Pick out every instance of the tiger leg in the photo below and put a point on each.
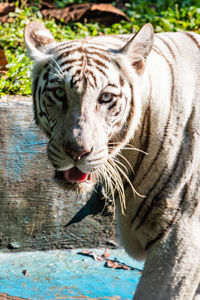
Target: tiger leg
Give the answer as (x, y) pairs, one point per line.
(172, 267)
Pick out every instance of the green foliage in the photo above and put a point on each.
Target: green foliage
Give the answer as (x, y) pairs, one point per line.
(164, 15)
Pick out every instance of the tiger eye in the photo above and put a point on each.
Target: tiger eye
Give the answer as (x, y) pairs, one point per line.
(105, 98)
(60, 92)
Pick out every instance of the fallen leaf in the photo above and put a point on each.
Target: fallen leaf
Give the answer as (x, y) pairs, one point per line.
(98, 257)
(5, 8)
(115, 265)
(92, 254)
(103, 12)
(125, 267)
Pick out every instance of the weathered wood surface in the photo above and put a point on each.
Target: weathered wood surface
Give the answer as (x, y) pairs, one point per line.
(33, 209)
(7, 297)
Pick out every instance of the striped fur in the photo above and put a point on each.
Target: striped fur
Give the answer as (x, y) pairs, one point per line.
(112, 94)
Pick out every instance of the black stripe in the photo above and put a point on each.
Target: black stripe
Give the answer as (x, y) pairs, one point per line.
(53, 125)
(55, 80)
(163, 232)
(55, 154)
(195, 198)
(102, 71)
(145, 199)
(167, 45)
(173, 178)
(41, 113)
(145, 132)
(190, 35)
(46, 74)
(173, 41)
(112, 105)
(34, 88)
(160, 149)
(90, 83)
(121, 81)
(72, 82)
(49, 99)
(96, 48)
(93, 77)
(68, 68)
(62, 46)
(98, 54)
(67, 52)
(71, 61)
(54, 147)
(125, 130)
(99, 63)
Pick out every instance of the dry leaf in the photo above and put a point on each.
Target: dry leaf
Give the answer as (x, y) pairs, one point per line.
(115, 265)
(92, 254)
(104, 13)
(5, 8)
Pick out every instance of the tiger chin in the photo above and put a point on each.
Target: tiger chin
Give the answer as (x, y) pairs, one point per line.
(79, 187)
(125, 110)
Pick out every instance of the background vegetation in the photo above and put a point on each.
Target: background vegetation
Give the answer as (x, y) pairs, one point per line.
(164, 15)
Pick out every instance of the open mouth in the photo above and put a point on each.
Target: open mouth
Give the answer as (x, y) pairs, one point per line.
(74, 175)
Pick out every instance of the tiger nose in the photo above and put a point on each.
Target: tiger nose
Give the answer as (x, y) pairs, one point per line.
(77, 154)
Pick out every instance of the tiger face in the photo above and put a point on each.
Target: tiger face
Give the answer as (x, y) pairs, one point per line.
(84, 101)
(85, 113)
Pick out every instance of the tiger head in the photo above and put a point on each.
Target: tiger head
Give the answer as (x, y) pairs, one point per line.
(86, 98)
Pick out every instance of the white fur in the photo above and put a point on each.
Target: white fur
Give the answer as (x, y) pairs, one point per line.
(166, 93)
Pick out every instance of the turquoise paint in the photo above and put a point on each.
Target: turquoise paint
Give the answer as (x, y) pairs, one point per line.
(24, 146)
(66, 275)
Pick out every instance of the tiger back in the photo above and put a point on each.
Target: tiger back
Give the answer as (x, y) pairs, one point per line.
(124, 110)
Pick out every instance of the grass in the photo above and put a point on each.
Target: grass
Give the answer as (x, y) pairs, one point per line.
(164, 15)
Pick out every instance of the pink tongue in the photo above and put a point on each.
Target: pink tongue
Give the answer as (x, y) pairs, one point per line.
(75, 175)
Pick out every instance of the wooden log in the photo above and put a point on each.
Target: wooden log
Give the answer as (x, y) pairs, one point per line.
(33, 209)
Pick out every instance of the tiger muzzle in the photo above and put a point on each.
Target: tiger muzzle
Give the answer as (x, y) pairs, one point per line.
(76, 154)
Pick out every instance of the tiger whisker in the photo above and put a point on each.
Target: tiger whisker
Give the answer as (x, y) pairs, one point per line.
(126, 160)
(55, 74)
(114, 182)
(116, 160)
(58, 73)
(109, 189)
(59, 68)
(117, 180)
(128, 180)
(129, 148)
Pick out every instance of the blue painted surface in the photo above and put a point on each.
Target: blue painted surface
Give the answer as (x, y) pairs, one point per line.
(23, 147)
(66, 275)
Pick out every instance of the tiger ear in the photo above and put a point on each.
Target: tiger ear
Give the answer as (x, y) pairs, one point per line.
(138, 48)
(36, 36)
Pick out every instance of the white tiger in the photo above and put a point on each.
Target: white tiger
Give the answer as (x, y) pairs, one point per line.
(96, 99)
